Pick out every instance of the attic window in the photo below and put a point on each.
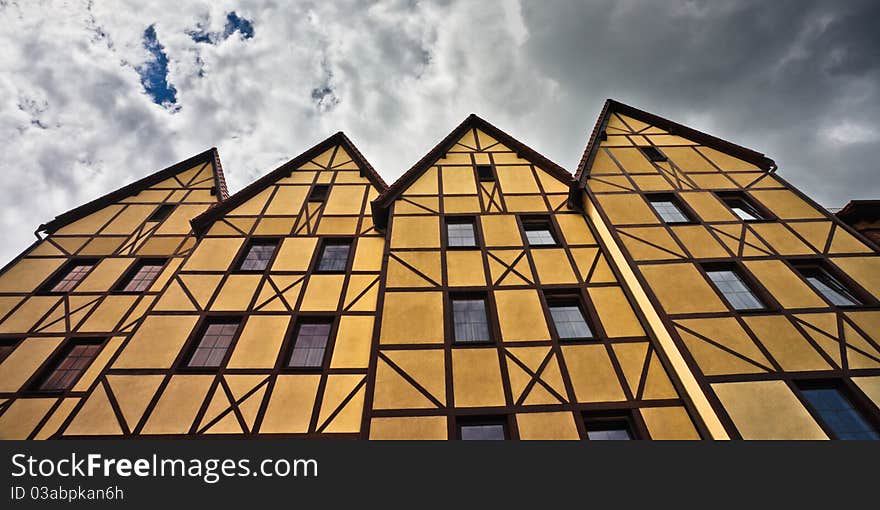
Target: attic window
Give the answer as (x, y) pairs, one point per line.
(162, 212)
(319, 193)
(652, 153)
(485, 173)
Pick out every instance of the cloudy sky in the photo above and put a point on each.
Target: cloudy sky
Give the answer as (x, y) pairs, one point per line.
(95, 94)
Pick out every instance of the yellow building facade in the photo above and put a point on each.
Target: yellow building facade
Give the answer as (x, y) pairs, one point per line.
(674, 287)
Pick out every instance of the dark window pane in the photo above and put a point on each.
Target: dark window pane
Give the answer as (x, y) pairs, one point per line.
(829, 286)
(652, 153)
(487, 432)
(161, 212)
(68, 369)
(737, 293)
(309, 345)
(469, 320)
(669, 211)
(609, 430)
(461, 234)
(319, 193)
(334, 257)
(485, 173)
(569, 321)
(213, 345)
(143, 277)
(76, 273)
(5, 350)
(258, 256)
(839, 414)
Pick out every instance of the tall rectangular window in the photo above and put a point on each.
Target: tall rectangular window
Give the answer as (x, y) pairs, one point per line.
(161, 212)
(669, 209)
(539, 231)
(334, 255)
(319, 193)
(742, 206)
(826, 284)
(482, 429)
(461, 232)
(609, 427)
(258, 255)
(69, 277)
(837, 411)
(652, 153)
(309, 344)
(568, 318)
(143, 275)
(734, 288)
(213, 344)
(485, 173)
(469, 320)
(66, 368)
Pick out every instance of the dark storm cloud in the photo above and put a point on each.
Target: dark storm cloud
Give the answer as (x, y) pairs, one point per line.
(796, 80)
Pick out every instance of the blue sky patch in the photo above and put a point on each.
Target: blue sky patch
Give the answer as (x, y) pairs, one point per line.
(154, 73)
(234, 23)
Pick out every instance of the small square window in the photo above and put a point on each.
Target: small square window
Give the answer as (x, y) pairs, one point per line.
(669, 209)
(652, 153)
(258, 255)
(485, 173)
(742, 206)
(461, 232)
(733, 286)
(568, 318)
(69, 277)
(310, 343)
(334, 255)
(65, 368)
(482, 429)
(143, 275)
(830, 402)
(469, 319)
(214, 342)
(609, 427)
(319, 193)
(827, 284)
(539, 231)
(161, 212)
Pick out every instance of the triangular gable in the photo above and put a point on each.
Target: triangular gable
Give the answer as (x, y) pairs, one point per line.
(620, 118)
(210, 156)
(313, 157)
(462, 135)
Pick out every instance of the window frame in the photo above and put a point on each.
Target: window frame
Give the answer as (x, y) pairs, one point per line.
(195, 340)
(51, 364)
(319, 193)
(245, 251)
(324, 242)
(11, 343)
(860, 403)
(691, 218)
(128, 276)
(763, 214)
(636, 427)
(860, 296)
(767, 301)
(572, 297)
(488, 310)
(482, 420)
(658, 158)
(487, 174)
(529, 222)
(463, 219)
(162, 212)
(46, 288)
(291, 338)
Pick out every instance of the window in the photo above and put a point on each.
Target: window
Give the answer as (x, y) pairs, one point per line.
(310, 343)
(609, 427)
(469, 320)
(836, 410)
(6, 348)
(485, 173)
(213, 344)
(669, 209)
(539, 231)
(460, 232)
(825, 283)
(258, 254)
(652, 153)
(161, 212)
(334, 255)
(65, 369)
(568, 318)
(734, 288)
(143, 275)
(482, 429)
(68, 278)
(742, 206)
(319, 193)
